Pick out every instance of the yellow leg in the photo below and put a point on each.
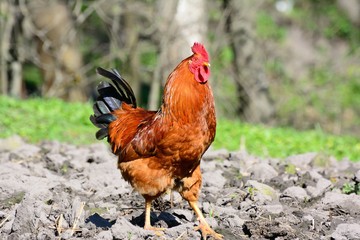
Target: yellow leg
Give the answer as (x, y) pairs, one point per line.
(171, 199)
(203, 225)
(147, 225)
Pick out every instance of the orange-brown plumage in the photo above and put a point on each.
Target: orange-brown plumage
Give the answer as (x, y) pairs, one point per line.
(162, 150)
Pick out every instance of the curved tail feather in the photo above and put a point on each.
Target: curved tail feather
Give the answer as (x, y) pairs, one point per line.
(111, 97)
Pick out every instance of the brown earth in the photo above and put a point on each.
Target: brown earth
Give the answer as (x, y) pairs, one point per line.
(59, 191)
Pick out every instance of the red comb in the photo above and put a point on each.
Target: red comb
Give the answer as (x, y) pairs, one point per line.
(198, 48)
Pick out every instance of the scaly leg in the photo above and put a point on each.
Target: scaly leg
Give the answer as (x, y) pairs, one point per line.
(171, 199)
(147, 225)
(203, 225)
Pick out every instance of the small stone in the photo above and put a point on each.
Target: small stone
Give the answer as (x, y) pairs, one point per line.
(346, 231)
(302, 161)
(56, 158)
(214, 178)
(104, 235)
(216, 154)
(308, 218)
(315, 175)
(207, 207)
(183, 214)
(297, 193)
(357, 176)
(263, 172)
(338, 202)
(26, 152)
(233, 221)
(310, 221)
(262, 191)
(274, 210)
(123, 228)
(322, 186)
(11, 143)
(67, 234)
(246, 204)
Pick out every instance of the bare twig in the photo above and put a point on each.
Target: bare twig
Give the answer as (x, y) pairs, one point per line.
(4, 221)
(58, 224)
(76, 221)
(64, 229)
(84, 15)
(178, 238)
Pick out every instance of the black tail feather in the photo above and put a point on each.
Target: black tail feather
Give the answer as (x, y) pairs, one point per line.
(93, 120)
(105, 118)
(111, 97)
(102, 133)
(121, 85)
(102, 107)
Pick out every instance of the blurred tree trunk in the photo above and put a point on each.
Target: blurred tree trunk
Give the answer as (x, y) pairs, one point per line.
(351, 9)
(7, 22)
(180, 24)
(11, 51)
(59, 58)
(131, 35)
(253, 91)
(17, 54)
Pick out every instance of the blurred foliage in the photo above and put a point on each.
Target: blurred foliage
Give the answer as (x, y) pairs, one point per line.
(226, 103)
(52, 119)
(267, 28)
(349, 188)
(32, 79)
(331, 23)
(283, 142)
(327, 93)
(39, 119)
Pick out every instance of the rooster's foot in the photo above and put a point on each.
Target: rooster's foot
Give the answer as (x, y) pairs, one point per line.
(206, 230)
(156, 229)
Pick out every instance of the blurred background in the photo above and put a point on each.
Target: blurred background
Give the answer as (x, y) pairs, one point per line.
(278, 62)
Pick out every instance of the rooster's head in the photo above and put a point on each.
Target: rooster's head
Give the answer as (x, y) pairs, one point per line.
(199, 63)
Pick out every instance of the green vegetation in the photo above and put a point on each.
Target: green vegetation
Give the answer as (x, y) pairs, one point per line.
(333, 24)
(282, 142)
(267, 28)
(349, 188)
(15, 198)
(290, 169)
(52, 119)
(327, 91)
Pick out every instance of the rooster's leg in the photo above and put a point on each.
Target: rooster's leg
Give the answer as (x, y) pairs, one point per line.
(190, 192)
(147, 225)
(203, 225)
(171, 199)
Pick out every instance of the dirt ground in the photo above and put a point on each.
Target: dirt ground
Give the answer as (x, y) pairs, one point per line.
(59, 191)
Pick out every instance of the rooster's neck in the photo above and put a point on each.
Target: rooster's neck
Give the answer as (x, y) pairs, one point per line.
(186, 100)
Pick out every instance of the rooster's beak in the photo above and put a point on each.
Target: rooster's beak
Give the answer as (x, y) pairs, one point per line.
(206, 64)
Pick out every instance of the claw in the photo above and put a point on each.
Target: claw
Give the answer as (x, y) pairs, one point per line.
(151, 228)
(147, 226)
(206, 230)
(203, 225)
(157, 231)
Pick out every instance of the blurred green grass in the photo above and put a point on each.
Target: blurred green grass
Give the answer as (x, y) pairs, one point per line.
(283, 142)
(52, 119)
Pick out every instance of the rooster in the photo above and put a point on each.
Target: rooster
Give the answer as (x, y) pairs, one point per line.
(161, 150)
